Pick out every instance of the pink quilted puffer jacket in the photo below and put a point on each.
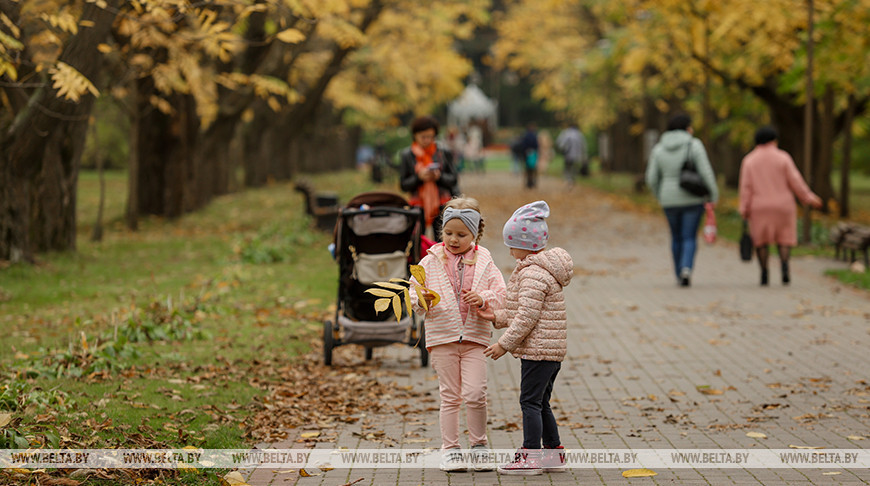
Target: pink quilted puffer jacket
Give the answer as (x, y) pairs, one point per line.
(534, 309)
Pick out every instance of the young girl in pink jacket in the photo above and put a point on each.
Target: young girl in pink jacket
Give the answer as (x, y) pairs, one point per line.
(534, 314)
(464, 275)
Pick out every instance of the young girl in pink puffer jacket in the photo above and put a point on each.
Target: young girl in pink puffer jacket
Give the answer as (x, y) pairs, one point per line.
(535, 318)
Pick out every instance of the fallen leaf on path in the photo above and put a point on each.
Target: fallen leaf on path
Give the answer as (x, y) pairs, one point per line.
(233, 478)
(509, 427)
(578, 425)
(61, 482)
(831, 473)
(756, 435)
(309, 435)
(306, 474)
(639, 473)
(855, 437)
(82, 473)
(804, 447)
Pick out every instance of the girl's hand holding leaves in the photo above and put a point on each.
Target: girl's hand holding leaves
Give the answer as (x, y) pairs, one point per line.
(392, 293)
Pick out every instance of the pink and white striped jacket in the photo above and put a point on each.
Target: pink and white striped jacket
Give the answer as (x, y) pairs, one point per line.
(443, 322)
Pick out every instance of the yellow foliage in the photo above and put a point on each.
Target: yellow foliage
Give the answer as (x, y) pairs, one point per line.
(291, 36)
(268, 85)
(398, 293)
(70, 83)
(62, 20)
(8, 69)
(344, 33)
(594, 58)
(161, 104)
(407, 61)
(16, 32)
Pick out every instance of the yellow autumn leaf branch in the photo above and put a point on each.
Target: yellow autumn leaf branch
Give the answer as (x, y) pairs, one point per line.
(70, 83)
(395, 296)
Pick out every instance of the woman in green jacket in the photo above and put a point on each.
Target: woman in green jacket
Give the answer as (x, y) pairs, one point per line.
(682, 209)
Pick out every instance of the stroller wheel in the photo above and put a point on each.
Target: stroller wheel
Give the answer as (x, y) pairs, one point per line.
(369, 353)
(328, 343)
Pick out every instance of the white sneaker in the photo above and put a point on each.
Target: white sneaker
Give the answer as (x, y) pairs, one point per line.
(482, 458)
(451, 461)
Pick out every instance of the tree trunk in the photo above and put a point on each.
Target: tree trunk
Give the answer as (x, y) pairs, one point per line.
(274, 153)
(131, 215)
(97, 233)
(266, 140)
(42, 151)
(153, 147)
(627, 154)
(325, 144)
(15, 207)
(215, 159)
(170, 178)
(823, 164)
(846, 166)
(727, 156)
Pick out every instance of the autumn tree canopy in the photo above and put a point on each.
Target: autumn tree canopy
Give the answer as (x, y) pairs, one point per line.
(196, 80)
(733, 63)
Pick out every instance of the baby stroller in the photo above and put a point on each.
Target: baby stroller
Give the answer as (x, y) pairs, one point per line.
(377, 237)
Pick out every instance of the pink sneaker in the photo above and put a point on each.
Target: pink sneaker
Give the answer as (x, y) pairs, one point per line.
(553, 460)
(527, 462)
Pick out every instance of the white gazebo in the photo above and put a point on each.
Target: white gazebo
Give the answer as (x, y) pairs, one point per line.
(472, 105)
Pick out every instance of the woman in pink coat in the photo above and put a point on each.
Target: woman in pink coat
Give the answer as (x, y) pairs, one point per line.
(769, 182)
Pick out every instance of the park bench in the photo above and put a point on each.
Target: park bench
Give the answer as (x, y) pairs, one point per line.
(837, 234)
(321, 206)
(850, 239)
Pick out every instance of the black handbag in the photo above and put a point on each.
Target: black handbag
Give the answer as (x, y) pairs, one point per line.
(690, 180)
(745, 244)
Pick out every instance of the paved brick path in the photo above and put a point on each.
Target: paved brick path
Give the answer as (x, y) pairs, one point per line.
(790, 362)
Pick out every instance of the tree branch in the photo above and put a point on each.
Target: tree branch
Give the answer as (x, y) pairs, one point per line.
(25, 139)
(303, 112)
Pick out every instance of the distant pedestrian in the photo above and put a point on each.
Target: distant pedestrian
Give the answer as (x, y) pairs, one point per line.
(683, 210)
(427, 172)
(474, 148)
(572, 145)
(456, 143)
(518, 155)
(528, 146)
(468, 281)
(537, 332)
(769, 182)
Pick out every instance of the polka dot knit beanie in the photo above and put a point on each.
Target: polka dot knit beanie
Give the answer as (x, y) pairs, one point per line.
(526, 229)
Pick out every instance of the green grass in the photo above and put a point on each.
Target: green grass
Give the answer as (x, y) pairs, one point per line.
(860, 280)
(162, 332)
